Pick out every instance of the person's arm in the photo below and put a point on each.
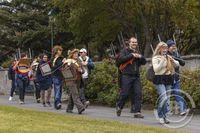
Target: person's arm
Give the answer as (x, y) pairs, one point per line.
(180, 60)
(123, 58)
(142, 60)
(174, 62)
(158, 63)
(58, 63)
(90, 64)
(15, 65)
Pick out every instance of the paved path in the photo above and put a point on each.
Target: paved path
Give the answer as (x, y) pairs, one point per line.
(106, 113)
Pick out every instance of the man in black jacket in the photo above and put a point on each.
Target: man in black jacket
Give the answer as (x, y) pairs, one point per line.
(130, 60)
(172, 50)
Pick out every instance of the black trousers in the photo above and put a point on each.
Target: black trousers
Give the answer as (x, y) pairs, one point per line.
(130, 84)
(83, 85)
(12, 87)
(37, 89)
(22, 84)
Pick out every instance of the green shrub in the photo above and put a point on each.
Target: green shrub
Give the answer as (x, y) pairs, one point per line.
(149, 95)
(6, 63)
(103, 87)
(192, 85)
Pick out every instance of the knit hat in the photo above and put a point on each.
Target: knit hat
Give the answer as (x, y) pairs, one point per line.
(170, 43)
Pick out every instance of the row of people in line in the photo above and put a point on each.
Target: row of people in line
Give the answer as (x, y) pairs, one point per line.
(166, 62)
(80, 62)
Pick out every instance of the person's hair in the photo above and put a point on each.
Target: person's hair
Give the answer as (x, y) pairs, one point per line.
(158, 48)
(158, 52)
(23, 55)
(137, 47)
(72, 52)
(55, 49)
(131, 38)
(42, 55)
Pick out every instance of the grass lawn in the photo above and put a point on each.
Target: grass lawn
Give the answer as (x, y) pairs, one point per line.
(15, 120)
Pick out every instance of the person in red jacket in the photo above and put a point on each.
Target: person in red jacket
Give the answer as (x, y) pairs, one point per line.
(22, 79)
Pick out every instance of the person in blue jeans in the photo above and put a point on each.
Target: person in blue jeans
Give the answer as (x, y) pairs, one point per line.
(163, 66)
(172, 51)
(57, 77)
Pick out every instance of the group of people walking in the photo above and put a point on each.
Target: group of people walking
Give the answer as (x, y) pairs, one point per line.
(165, 62)
(47, 74)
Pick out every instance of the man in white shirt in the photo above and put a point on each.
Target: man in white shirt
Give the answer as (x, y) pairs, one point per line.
(87, 65)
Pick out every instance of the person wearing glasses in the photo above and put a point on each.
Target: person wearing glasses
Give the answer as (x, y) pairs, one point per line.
(130, 61)
(87, 65)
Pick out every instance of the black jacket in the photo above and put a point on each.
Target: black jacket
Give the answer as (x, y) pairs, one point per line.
(11, 73)
(177, 57)
(56, 68)
(130, 69)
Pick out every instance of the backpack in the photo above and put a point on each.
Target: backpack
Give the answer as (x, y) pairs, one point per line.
(150, 74)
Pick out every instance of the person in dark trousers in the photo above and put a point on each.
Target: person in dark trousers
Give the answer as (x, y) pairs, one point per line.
(130, 61)
(34, 67)
(57, 62)
(22, 78)
(11, 76)
(172, 51)
(44, 81)
(87, 65)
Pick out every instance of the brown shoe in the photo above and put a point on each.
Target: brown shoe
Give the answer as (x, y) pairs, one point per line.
(138, 115)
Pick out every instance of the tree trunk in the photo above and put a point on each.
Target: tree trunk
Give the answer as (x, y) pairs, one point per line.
(147, 48)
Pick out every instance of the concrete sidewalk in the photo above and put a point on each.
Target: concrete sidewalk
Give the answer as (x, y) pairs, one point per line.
(106, 113)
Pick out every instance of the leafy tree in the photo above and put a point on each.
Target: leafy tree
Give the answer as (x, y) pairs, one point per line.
(24, 24)
(99, 22)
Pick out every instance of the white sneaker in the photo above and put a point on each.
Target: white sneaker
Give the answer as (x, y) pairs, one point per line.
(21, 102)
(184, 112)
(162, 121)
(10, 98)
(87, 103)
